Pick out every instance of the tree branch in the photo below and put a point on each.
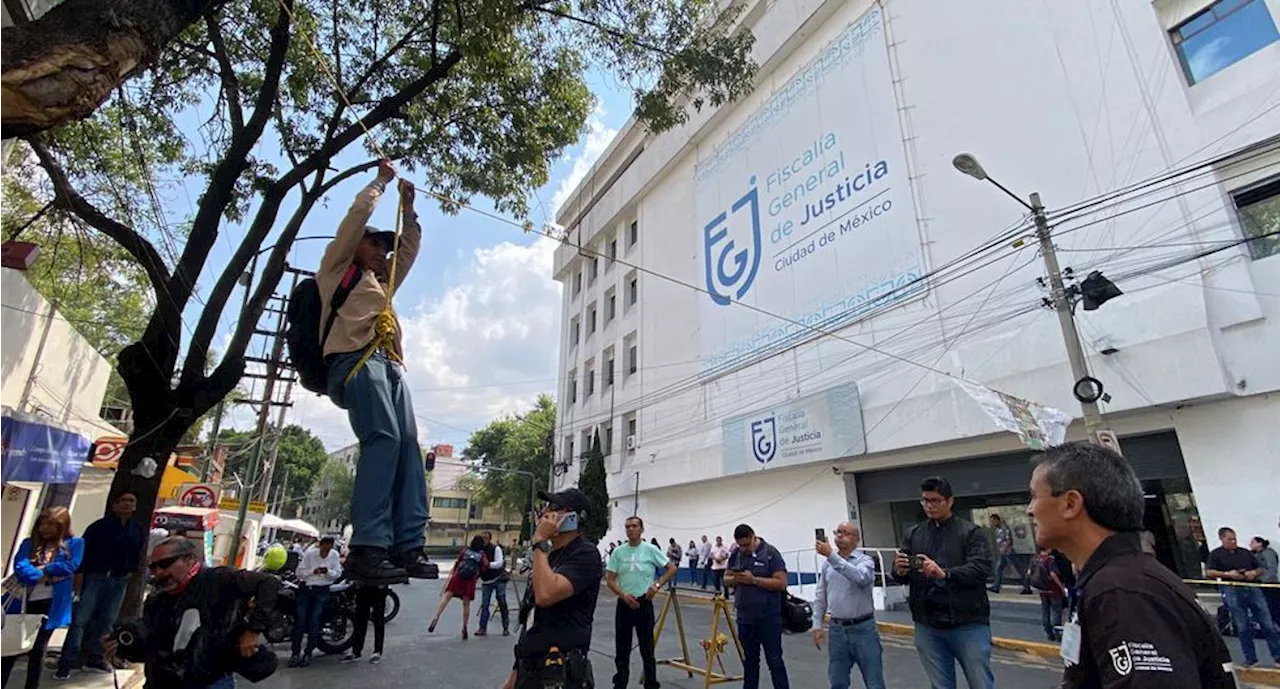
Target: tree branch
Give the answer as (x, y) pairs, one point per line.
(70, 200)
(64, 65)
(345, 175)
(611, 31)
(230, 84)
(218, 195)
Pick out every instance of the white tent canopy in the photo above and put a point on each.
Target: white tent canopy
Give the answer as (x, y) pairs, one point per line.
(271, 521)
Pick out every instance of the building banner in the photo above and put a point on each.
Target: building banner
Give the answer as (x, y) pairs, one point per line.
(805, 210)
(819, 427)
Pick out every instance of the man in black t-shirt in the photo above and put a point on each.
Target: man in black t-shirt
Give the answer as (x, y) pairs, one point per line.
(1233, 563)
(560, 602)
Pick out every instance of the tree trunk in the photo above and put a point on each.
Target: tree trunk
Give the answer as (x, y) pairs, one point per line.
(65, 64)
(159, 445)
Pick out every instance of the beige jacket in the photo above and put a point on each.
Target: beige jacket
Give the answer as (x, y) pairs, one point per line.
(353, 330)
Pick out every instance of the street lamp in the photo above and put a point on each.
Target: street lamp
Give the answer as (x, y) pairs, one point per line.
(1087, 389)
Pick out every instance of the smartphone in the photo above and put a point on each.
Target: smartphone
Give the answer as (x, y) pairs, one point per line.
(820, 535)
(569, 523)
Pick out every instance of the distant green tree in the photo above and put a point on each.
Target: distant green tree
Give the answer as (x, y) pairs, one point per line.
(519, 443)
(302, 458)
(335, 482)
(592, 482)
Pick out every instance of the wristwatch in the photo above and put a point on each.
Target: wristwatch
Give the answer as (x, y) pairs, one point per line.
(379, 185)
(544, 546)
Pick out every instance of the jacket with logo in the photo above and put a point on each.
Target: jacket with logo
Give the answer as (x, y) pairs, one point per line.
(961, 549)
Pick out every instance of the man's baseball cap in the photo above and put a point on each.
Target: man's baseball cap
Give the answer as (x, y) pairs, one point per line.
(386, 238)
(571, 498)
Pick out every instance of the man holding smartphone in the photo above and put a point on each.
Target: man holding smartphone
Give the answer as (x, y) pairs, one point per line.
(946, 562)
(759, 576)
(318, 569)
(629, 575)
(560, 602)
(844, 590)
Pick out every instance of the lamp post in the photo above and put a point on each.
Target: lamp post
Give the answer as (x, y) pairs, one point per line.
(1087, 389)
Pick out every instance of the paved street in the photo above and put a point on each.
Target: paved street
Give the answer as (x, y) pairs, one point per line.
(416, 659)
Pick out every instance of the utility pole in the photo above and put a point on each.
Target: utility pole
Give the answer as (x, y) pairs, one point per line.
(288, 399)
(1066, 321)
(264, 417)
(1087, 390)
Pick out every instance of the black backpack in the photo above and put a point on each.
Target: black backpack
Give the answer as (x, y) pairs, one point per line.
(306, 343)
(469, 564)
(1038, 574)
(797, 614)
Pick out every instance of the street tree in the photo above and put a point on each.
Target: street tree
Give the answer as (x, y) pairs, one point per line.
(332, 491)
(592, 483)
(472, 97)
(521, 443)
(301, 459)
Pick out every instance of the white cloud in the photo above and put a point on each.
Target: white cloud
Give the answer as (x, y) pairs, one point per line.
(486, 347)
(597, 140)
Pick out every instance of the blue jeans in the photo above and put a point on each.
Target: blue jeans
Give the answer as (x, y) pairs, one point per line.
(227, 681)
(766, 633)
(1006, 560)
(941, 649)
(1243, 601)
(389, 496)
(310, 618)
(856, 644)
(487, 590)
(1051, 615)
(92, 617)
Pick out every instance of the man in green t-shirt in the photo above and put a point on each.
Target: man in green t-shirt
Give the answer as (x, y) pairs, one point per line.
(630, 575)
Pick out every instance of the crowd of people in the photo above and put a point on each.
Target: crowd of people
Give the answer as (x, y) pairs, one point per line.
(1122, 618)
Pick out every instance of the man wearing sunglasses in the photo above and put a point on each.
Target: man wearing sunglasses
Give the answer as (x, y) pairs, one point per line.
(200, 622)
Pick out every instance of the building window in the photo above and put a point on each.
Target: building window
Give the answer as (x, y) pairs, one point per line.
(568, 449)
(608, 439)
(591, 319)
(610, 305)
(476, 511)
(449, 503)
(630, 420)
(577, 284)
(633, 290)
(593, 270)
(633, 233)
(590, 379)
(613, 253)
(1223, 34)
(608, 367)
(633, 360)
(573, 386)
(1259, 211)
(575, 333)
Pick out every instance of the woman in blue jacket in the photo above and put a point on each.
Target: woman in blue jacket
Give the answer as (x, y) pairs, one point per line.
(46, 564)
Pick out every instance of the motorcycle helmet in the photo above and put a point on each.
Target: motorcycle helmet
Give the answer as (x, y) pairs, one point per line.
(275, 558)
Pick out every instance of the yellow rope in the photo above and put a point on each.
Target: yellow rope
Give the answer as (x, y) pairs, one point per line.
(384, 326)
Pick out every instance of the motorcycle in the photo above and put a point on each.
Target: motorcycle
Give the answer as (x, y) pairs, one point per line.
(336, 627)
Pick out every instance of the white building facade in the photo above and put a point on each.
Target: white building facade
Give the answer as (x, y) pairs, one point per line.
(767, 308)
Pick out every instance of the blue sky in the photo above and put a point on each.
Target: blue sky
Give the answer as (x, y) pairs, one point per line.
(480, 310)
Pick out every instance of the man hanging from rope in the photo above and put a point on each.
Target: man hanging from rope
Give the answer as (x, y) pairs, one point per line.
(364, 356)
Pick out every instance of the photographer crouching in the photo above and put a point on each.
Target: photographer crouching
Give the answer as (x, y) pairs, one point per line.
(201, 626)
(560, 601)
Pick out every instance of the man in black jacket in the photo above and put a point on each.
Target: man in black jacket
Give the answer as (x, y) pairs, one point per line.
(946, 562)
(200, 623)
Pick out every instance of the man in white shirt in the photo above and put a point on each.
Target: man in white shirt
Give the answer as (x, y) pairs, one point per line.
(704, 560)
(493, 581)
(719, 562)
(320, 566)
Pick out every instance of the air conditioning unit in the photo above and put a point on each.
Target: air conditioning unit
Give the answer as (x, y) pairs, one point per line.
(632, 442)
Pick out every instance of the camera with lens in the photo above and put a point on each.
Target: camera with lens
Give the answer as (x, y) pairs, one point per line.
(131, 639)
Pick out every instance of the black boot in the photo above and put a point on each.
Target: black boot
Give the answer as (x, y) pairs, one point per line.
(370, 565)
(415, 562)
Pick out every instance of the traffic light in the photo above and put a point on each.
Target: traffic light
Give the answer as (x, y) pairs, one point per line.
(431, 461)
